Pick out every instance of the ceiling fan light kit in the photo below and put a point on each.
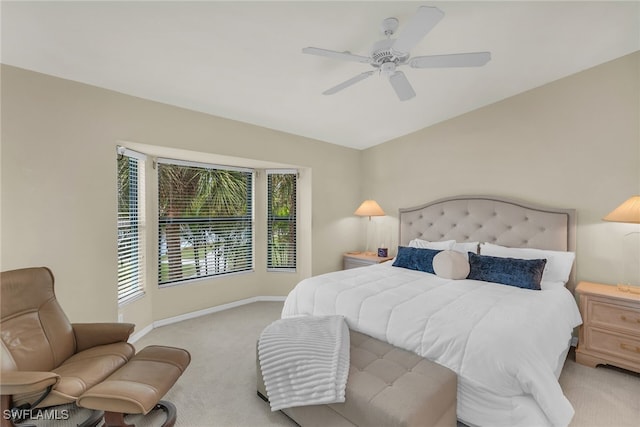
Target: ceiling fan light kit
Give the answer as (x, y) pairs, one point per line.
(388, 54)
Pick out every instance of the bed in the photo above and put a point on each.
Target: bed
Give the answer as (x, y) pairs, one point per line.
(507, 344)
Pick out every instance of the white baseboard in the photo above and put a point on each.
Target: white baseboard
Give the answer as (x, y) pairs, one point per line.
(163, 322)
(144, 331)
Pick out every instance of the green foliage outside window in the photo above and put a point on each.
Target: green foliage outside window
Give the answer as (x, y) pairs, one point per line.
(205, 221)
(281, 218)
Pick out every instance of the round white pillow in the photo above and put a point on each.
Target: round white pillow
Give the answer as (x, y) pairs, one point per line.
(451, 265)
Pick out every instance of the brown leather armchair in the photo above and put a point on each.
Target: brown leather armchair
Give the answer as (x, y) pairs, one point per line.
(45, 359)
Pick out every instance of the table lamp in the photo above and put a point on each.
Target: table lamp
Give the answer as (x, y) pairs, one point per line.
(629, 212)
(369, 208)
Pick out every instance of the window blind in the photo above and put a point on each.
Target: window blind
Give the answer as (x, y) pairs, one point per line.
(131, 258)
(205, 220)
(281, 219)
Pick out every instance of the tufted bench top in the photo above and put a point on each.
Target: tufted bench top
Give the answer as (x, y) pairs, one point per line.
(387, 386)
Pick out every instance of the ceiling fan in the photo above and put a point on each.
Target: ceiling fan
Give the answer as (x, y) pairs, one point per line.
(389, 54)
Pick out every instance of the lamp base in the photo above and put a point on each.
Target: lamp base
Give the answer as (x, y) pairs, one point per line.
(630, 259)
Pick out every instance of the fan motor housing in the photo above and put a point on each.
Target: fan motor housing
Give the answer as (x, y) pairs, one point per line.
(382, 52)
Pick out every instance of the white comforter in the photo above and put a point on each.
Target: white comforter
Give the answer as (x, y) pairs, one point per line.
(500, 339)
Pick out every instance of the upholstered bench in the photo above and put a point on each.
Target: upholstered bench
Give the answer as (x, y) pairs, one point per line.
(138, 386)
(387, 386)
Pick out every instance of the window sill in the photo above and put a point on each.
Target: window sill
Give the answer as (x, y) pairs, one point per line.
(201, 279)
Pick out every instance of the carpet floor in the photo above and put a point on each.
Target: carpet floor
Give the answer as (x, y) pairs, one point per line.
(219, 387)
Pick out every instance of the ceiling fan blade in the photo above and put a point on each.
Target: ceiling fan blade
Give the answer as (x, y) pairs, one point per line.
(345, 56)
(348, 83)
(472, 59)
(402, 86)
(420, 24)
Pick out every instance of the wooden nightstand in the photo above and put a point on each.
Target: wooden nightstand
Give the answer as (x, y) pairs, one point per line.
(610, 333)
(360, 259)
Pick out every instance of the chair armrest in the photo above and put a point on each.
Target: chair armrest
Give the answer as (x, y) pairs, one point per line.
(89, 335)
(18, 382)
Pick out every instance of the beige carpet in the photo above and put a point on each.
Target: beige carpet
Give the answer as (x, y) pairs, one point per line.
(604, 396)
(218, 388)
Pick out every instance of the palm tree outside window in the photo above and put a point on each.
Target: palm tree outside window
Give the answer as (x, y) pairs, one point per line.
(205, 220)
(281, 219)
(131, 224)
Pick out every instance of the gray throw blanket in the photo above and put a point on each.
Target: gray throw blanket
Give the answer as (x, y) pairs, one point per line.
(305, 361)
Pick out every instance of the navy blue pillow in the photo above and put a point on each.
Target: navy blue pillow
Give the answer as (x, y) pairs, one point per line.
(420, 259)
(522, 273)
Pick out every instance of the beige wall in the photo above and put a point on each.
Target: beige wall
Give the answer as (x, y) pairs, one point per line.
(59, 192)
(572, 143)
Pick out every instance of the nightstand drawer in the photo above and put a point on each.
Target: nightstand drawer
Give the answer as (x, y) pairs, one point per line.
(621, 346)
(360, 259)
(625, 319)
(355, 263)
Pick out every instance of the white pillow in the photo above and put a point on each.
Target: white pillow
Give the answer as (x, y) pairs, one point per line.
(556, 270)
(438, 246)
(547, 286)
(451, 265)
(466, 247)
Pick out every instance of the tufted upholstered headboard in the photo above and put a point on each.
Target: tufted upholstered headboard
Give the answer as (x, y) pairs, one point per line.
(502, 221)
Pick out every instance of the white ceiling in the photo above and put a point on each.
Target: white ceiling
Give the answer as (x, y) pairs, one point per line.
(243, 60)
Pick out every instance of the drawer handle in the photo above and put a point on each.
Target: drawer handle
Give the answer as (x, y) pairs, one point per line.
(624, 318)
(630, 347)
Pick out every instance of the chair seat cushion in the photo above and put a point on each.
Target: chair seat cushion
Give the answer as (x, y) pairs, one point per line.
(80, 372)
(139, 385)
(83, 370)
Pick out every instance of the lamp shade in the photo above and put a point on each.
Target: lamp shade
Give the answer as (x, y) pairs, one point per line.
(629, 211)
(369, 208)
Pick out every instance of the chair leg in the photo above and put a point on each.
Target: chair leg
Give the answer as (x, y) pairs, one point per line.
(5, 405)
(116, 419)
(171, 411)
(94, 419)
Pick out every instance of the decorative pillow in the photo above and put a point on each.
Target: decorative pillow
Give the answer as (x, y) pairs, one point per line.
(415, 259)
(466, 247)
(425, 244)
(451, 265)
(522, 273)
(559, 263)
